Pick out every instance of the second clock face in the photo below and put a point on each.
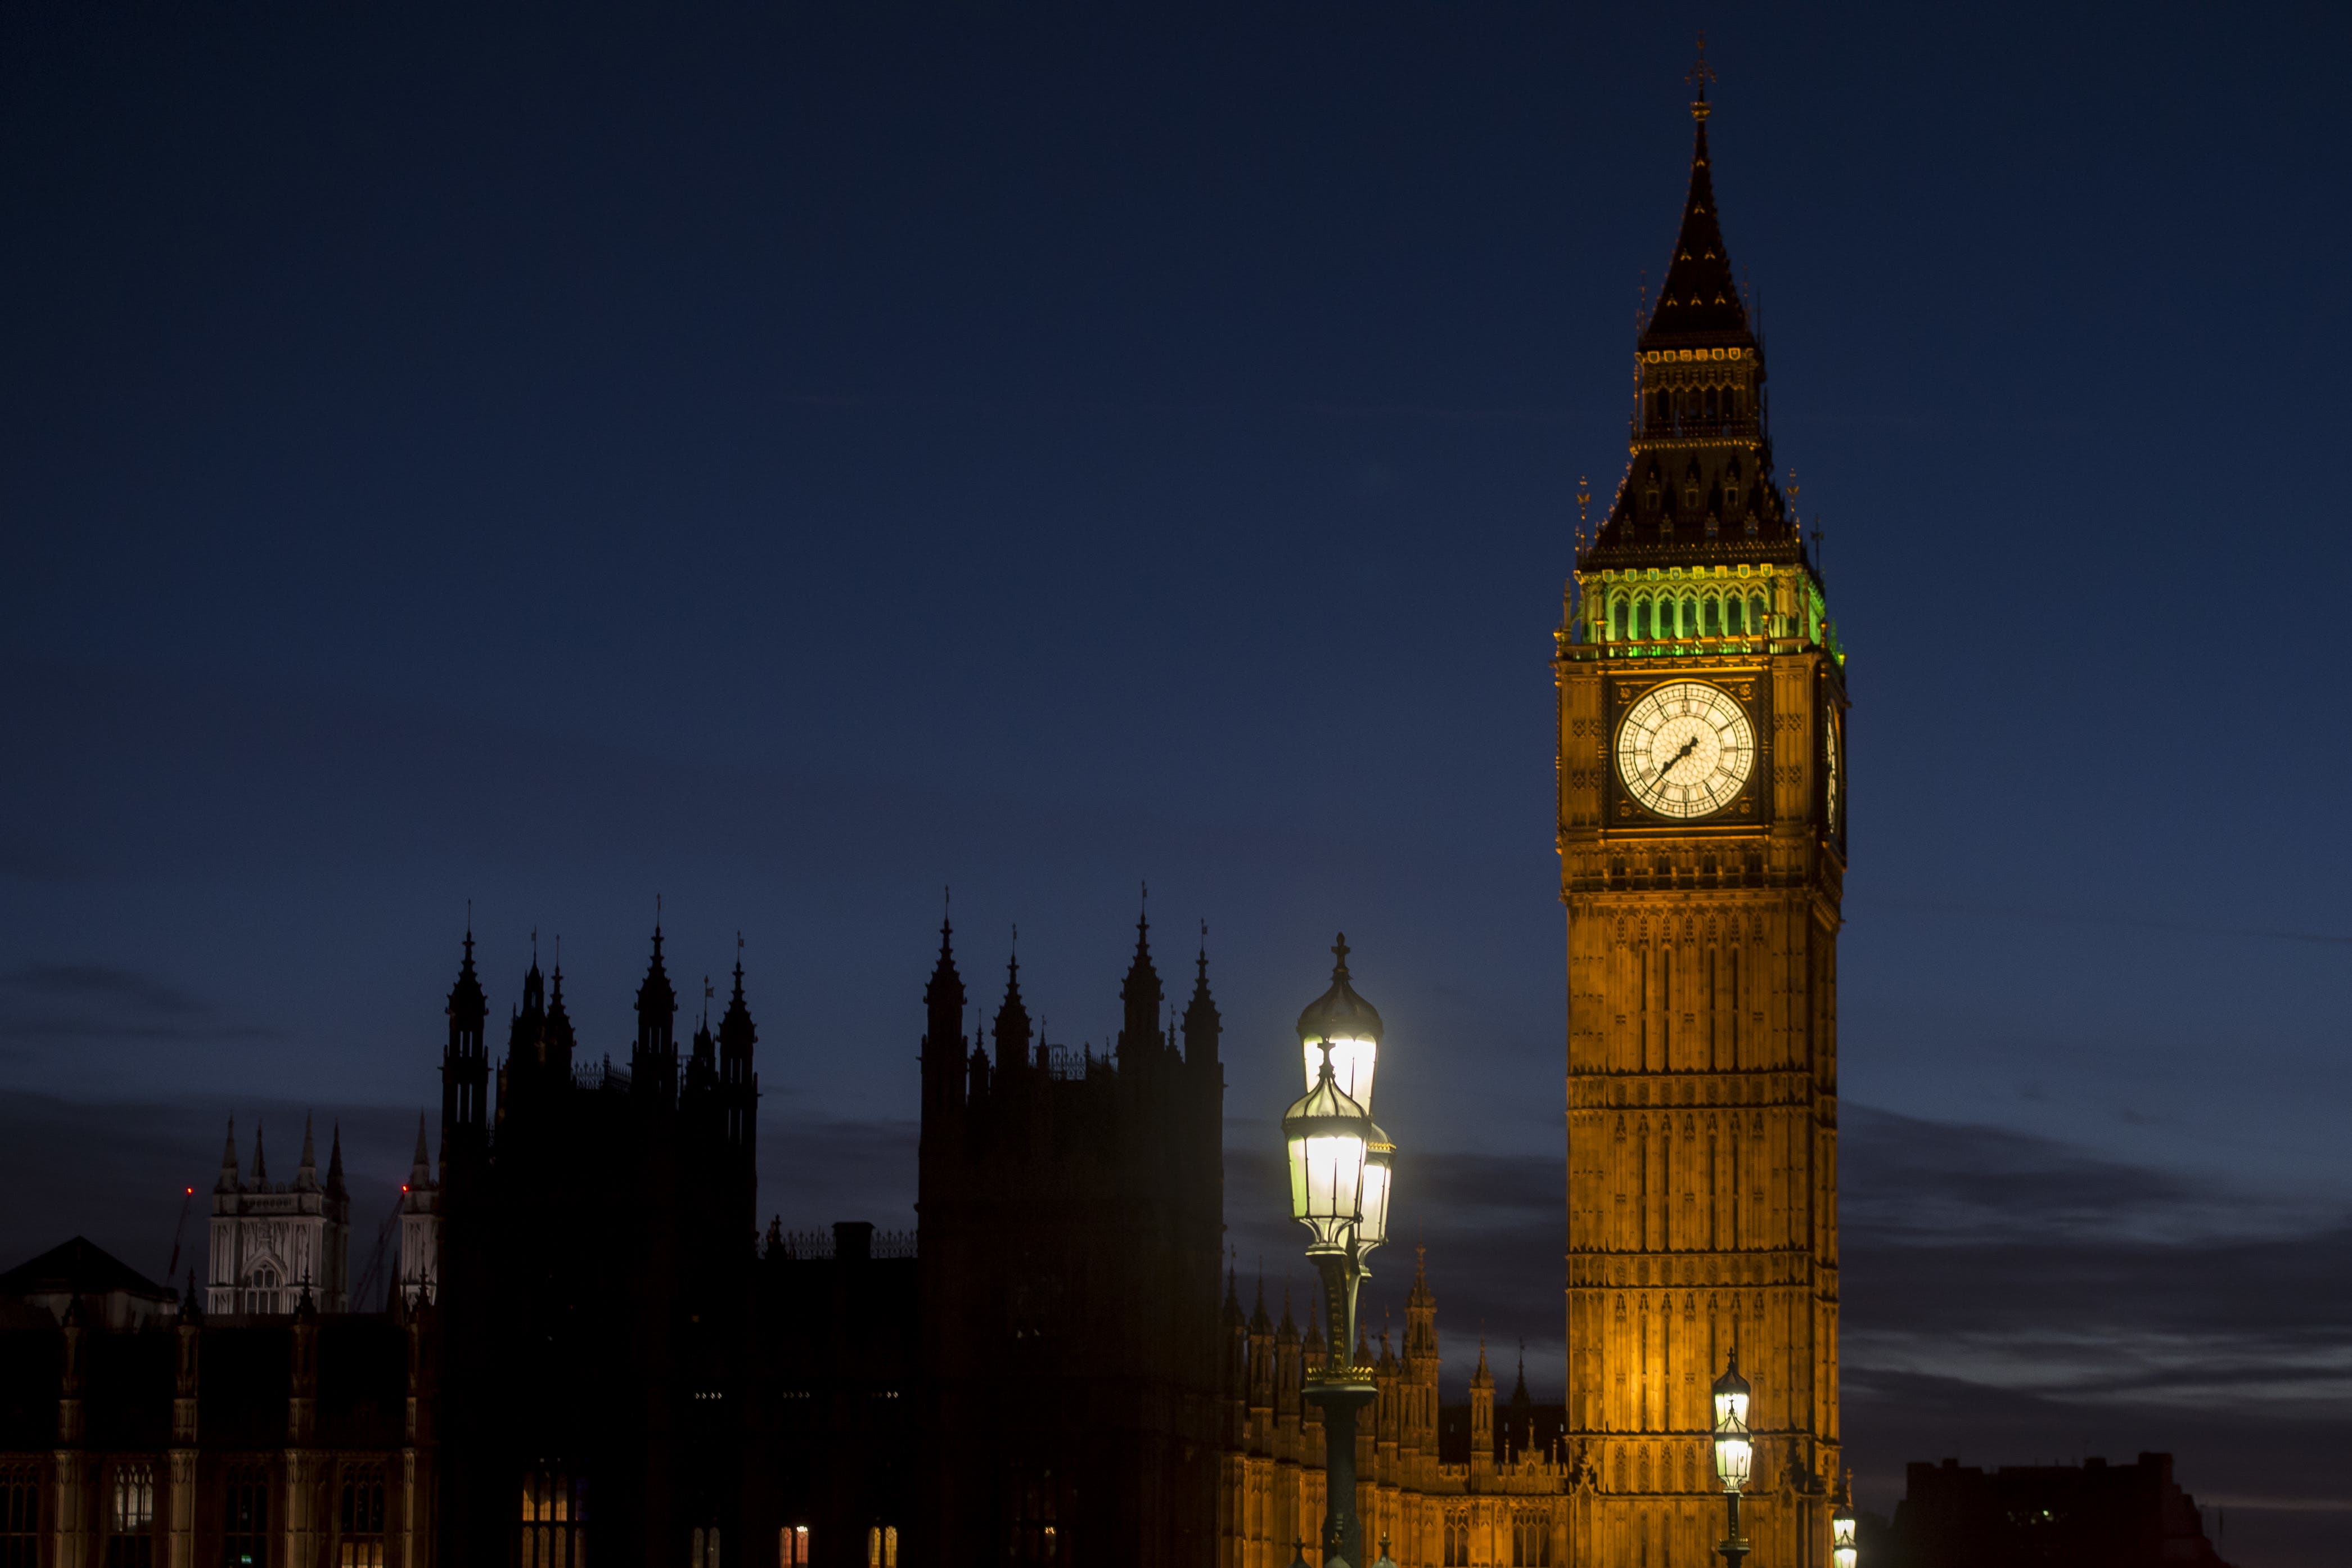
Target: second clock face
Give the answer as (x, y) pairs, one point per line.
(1685, 749)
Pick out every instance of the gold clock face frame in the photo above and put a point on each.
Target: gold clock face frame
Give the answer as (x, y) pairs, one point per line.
(1686, 750)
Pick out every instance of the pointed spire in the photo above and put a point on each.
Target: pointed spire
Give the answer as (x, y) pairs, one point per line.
(306, 1175)
(260, 1159)
(466, 1003)
(1140, 992)
(1519, 1393)
(229, 1178)
(420, 1169)
(1259, 1322)
(944, 996)
(736, 1034)
(1233, 1312)
(1482, 1378)
(652, 1065)
(655, 991)
(1700, 298)
(560, 1039)
(1286, 1329)
(1203, 1025)
(1012, 1029)
(335, 1163)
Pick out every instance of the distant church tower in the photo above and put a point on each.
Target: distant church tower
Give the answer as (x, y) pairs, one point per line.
(420, 1227)
(1702, 844)
(271, 1242)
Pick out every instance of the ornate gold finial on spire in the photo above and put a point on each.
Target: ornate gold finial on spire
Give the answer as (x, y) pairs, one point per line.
(1698, 75)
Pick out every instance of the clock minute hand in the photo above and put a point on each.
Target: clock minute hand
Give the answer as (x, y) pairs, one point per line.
(1689, 747)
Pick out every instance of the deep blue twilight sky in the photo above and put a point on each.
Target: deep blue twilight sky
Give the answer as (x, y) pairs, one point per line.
(787, 460)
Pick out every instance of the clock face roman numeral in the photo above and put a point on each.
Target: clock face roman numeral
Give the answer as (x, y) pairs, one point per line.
(1686, 750)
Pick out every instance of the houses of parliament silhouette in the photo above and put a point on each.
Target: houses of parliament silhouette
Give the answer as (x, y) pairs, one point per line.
(591, 1353)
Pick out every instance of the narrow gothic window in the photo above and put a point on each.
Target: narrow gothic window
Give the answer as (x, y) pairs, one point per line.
(553, 1527)
(245, 1519)
(130, 1518)
(20, 1517)
(1711, 618)
(1756, 616)
(1616, 620)
(360, 1517)
(792, 1546)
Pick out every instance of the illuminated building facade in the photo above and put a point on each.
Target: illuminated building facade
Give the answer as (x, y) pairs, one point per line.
(271, 1242)
(1702, 845)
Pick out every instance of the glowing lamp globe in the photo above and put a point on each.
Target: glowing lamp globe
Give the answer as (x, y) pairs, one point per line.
(1350, 1026)
(1735, 1453)
(1325, 1134)
(1843, 1552)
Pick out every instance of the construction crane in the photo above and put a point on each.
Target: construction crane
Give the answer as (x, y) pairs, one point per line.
(172, 1270)
(373, 1274)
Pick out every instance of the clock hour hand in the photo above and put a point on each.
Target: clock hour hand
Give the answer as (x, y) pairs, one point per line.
(1689, 747)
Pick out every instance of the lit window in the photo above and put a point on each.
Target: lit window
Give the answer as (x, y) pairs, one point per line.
(554, 1523)
(881, 1547)
(361, 1518)
(792, 1546)
(130, 1518)
(702, 1547)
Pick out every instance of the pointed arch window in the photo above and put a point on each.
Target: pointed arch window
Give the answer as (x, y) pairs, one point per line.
(131, 1517)
(1756, 622)
(20, 1516)
(1616, 620)
(792, 1546)
(359, 1519)
(1530, 1539)
(245, 1519)
(554, 1529)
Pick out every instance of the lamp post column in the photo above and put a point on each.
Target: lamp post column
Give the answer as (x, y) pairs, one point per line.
(1341, 1390)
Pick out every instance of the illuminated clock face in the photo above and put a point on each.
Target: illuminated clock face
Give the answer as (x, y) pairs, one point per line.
(1686, 750)
(1830, 781)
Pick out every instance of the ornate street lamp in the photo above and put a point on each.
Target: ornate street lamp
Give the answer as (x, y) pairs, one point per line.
(1843, 1550)
(1340, 1187)
(1735, 1452)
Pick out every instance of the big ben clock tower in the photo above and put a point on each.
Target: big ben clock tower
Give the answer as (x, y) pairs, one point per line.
(1702, 847)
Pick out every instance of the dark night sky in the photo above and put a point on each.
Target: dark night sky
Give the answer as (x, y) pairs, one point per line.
(788, 460)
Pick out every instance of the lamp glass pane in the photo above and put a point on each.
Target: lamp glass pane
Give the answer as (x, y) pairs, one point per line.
(1845, 1556)
(1353, 1063)
(1734, 1455)
(1731, 1406)
(1373, 1229)
(1298, 1178)
(1335, 1174)
(1842, 1530)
